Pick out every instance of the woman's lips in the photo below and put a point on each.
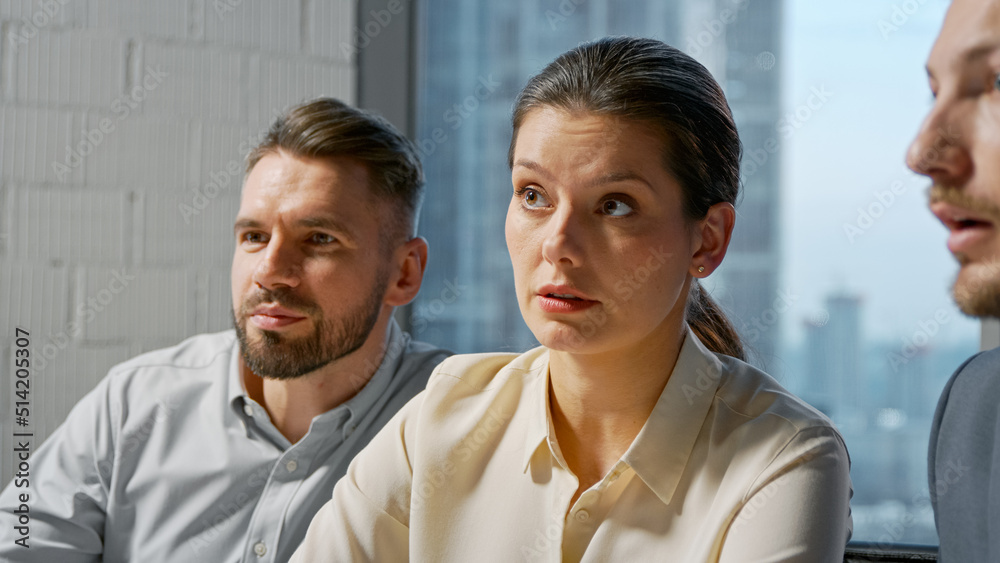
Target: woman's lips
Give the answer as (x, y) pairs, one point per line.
(551, 303)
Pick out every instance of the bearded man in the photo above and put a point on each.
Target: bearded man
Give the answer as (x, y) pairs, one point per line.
(223, 447)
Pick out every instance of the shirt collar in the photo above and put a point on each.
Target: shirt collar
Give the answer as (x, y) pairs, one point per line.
(356, 406)
(660, 451)
(537, 390)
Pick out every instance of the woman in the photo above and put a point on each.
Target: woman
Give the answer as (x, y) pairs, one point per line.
(635, 432)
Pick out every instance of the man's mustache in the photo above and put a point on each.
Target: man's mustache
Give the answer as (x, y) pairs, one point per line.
(955, 196)
(280, 297)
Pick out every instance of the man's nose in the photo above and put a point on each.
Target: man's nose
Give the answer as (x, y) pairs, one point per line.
(940, 149)
(280, 265)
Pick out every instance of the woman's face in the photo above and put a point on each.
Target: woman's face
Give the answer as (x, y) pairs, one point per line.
(596, 233)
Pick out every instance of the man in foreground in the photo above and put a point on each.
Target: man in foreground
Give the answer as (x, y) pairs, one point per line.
(222, 448)
(958, 147)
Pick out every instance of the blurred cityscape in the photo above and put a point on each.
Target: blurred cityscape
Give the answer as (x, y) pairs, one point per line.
(475, 57)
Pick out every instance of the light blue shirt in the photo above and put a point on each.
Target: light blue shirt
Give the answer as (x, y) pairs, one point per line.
(168, 459)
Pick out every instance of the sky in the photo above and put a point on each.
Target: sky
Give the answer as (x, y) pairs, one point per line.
(851, 150)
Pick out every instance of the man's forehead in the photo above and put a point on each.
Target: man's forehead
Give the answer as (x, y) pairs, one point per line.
(279, 176)
(971, 31)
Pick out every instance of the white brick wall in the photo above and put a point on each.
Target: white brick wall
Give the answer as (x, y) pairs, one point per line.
(114, 113)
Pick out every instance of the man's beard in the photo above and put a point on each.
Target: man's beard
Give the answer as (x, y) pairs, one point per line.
(977, 286)
(977, 290)
(280, 357)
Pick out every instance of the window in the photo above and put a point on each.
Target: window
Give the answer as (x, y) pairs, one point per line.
(839, 275)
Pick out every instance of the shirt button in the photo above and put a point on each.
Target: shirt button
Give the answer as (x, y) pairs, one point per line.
(260, 549)
(248, 410)
(582, 515)
(291, 466)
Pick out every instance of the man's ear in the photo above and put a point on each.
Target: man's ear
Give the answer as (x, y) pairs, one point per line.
(712, 238)
(408, 263)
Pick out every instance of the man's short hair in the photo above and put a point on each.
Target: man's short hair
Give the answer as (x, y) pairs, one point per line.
(325, 127)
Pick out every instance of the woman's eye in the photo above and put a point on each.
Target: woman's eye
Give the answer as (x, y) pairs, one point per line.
(532, 198)
(616, 208)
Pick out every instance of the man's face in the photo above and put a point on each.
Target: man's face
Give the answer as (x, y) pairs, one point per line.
(309, 275)
(958, 147)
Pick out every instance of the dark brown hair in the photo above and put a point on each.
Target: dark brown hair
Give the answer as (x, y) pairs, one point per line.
(325, 128)
(649, 82)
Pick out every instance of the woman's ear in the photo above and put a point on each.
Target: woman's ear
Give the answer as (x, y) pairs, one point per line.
(712, 237)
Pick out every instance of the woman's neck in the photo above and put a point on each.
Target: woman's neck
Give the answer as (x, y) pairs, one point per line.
(599, 402)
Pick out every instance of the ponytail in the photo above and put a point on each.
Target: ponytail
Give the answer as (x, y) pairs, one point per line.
(710, 324)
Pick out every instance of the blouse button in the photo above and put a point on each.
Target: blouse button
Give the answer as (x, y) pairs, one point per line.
(582, 515)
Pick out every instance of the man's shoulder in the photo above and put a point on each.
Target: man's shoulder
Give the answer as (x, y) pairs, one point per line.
(196, 356)
(985, 361)
(418, 353)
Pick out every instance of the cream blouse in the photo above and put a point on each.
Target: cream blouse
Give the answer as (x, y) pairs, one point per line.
(728, 467)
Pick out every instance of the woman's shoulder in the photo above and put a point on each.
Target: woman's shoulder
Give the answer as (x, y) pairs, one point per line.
(752, 394)
(767, 428)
